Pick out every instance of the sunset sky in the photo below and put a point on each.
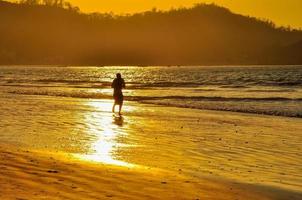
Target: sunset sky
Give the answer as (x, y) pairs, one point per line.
(282, 12)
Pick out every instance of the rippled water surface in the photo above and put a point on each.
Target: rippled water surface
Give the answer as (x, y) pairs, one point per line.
(272, 90)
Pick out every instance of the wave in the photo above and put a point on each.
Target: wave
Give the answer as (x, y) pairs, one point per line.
(273, 113)
(279, 106)
(254, 108)
(142, 98)
(62, 94)
(157, 83)
(234, 86)
(290, 83)
(71, 81)
(223, 98)
(234, 80)
(273, 90)
(103, 84)
(222, 84)
(133, 85)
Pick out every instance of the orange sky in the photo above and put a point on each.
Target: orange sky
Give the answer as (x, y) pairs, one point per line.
(282, 12)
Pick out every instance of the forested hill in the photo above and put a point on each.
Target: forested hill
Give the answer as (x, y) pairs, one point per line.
(202, 35)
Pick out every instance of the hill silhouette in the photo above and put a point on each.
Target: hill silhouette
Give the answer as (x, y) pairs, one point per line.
(202, 35)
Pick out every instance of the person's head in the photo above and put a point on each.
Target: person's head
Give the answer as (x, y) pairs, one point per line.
(118, 75)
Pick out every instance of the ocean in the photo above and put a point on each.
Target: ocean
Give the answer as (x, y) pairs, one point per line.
(269, 90)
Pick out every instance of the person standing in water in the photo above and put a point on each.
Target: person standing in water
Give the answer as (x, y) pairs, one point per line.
(118, 84)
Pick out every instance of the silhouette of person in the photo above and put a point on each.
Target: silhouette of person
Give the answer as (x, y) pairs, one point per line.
(118, 84)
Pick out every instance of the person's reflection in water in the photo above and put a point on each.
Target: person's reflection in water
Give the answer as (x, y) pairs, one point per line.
(118, 84)
(118, 120)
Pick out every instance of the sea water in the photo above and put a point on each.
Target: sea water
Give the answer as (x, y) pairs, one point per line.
(270, 90)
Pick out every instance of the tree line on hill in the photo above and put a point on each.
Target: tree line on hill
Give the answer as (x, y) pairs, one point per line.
(54, 3)
(55, 32)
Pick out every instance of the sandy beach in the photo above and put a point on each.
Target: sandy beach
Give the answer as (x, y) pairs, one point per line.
(30, 175)
(76, 149)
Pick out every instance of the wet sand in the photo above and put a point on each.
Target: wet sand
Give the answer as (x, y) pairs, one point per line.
(31, 175)
(65, 148)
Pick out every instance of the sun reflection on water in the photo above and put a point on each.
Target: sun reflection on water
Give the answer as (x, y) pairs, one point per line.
(108, 130)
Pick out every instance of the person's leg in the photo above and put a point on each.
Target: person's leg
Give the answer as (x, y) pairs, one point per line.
(120, 108)
(113, 107)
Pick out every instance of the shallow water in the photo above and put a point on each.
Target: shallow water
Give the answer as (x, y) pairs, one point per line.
(271, 90)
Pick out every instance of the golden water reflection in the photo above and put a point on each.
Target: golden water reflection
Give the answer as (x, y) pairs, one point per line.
(108, 131)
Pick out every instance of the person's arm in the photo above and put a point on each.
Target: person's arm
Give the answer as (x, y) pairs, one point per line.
(113, 84)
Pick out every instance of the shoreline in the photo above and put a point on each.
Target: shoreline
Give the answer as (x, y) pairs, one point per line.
(134, 99)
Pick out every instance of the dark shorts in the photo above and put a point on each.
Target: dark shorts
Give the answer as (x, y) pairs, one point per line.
(118, 99)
